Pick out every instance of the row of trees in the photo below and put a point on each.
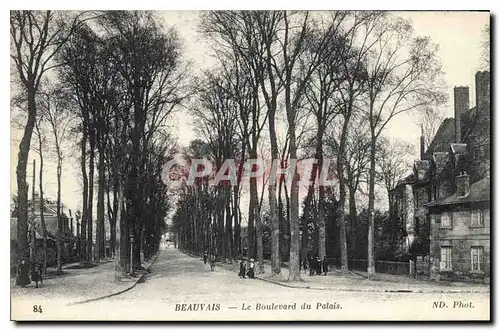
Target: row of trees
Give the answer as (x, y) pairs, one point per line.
(118, 76)
(334, 81)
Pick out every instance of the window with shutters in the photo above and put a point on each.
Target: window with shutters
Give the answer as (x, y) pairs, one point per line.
(477, 218)
(476, 258)
(445, 258)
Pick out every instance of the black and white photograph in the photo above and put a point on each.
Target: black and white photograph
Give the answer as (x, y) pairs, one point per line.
(250, 165)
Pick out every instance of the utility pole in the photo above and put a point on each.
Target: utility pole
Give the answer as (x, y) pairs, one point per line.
(33, 236)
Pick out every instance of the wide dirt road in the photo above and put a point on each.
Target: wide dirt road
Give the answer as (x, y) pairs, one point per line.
(180, 287)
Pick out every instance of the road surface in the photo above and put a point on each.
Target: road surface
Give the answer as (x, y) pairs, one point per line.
(181, 287)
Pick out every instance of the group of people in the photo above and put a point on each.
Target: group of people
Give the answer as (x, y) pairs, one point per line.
(23, 273)
(316, 266)
(247, 269)
(209, 261)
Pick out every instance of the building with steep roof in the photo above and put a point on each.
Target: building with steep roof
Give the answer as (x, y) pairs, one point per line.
(444, 205)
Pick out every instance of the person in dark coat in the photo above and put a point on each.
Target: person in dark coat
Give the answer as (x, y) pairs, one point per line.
(312, 266)
(212, 263)
(205, 258)
(242, 269)
(40, 271)
(251, 271)
(23, 277)
(325, 266)
(36, 276)
(318, 266)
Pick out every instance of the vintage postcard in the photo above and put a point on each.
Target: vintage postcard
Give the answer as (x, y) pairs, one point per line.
(250, 165)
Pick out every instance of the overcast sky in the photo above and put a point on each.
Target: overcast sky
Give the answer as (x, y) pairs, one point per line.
(458, 35)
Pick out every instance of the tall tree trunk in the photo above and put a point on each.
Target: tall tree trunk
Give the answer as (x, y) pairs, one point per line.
(100, 203)
(123, 249)
(112, 215)
(59, 241)
(237, 226)
(22, 185)
(321, 223)
(120, 263)
(305, 220)
(342, 189)
(273, 205)
(287, 220)
(341, 213)
(252, 207)
(294, 265)
(83, 232)
(229, 227)
(282, 224)
(371, 210)
(321, 198)
(42, 204)
(353, 218)
(219, 224)
(33, 219)
(90, 217)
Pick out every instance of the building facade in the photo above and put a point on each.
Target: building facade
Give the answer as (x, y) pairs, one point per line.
(444, 204)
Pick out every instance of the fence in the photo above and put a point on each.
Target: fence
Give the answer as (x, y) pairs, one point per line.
(387, 267)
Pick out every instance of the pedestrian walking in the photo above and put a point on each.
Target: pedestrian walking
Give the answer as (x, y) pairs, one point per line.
(205, 257)
(242, 269)
(36, 275)
(23, 277)
(251, 271)
(304, 266)
(212, 263)
(325, 266)
(318, 266)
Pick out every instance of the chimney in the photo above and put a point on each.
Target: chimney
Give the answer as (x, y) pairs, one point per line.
(422, 142)
(461, 98)
(462, 182)
(483, 92)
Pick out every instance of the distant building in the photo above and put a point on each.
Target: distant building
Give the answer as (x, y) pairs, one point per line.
(50, 218)
(444, 204)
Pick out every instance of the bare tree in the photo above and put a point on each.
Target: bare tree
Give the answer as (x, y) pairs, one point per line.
(55, 110)
(324, 103)
(154, 87)
(398, 82)
(36, 37)
(393, 160)
(242, 33)
(217, 121)
(294, 70)
(42, 139)
(18, 119)
(430, 120)
(350, 86)
(356, 159)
